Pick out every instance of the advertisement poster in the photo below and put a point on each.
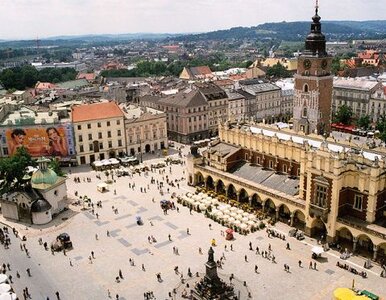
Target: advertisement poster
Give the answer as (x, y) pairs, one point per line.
(40, 141)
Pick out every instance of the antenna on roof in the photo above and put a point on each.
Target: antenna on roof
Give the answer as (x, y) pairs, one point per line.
(316, 6)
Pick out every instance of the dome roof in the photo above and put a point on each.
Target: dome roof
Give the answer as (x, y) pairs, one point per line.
(40, 205)
(46, 177)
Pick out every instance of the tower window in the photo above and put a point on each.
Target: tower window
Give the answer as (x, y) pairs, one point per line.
(305, 88)
(358, 202)
(304, 112)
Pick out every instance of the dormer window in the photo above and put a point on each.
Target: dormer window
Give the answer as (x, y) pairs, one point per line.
(305, 88)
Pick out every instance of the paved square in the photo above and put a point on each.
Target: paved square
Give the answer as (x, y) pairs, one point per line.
(87, 279)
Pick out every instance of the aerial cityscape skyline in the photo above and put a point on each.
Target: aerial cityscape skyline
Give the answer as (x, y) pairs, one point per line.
(29, 19)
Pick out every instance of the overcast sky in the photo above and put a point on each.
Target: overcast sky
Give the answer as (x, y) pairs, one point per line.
(44, 18)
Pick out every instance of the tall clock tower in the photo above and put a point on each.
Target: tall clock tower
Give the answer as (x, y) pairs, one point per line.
(313, 84)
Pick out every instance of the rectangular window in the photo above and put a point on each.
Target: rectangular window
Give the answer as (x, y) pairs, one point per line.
(110, 144)
(109, 134)
(89, 136)
(80, 138)
(271, 164)
(119, 132)
(284, 168)
(81, 149)
(100, 146)
(99, 135)
(321, 195)
(79, 127)
(118, 122)
(108, 123)
(5, 151)
(91, 147)
(99, 125)
(89, 126)
(358, 202)
(258, 160)
(119, 143)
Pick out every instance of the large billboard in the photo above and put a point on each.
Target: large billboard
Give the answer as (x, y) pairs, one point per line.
(54, 140)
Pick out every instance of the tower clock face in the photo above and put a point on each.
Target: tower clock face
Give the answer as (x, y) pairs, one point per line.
(324, 63)
(307, 64)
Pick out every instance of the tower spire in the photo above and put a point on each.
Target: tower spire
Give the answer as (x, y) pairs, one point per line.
(316, 6)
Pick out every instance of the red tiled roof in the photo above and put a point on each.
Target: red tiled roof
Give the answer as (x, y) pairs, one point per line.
(201, 70)
(95, 111)
(44, 85)
(87, 76)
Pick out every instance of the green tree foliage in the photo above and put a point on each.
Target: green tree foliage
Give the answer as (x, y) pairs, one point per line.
(381, 126)
(343, 115)
(364, 122)
(278, 71)
(12, 169)
(55, 166)
(24, 77)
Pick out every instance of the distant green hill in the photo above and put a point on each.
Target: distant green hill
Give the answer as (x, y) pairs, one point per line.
(297, 31)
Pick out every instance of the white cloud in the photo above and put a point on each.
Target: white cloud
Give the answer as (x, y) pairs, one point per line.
(31, 18)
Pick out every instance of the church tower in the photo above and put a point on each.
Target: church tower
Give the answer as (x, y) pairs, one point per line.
(313, 83)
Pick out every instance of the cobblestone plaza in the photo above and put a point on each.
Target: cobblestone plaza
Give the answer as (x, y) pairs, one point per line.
(76, 276)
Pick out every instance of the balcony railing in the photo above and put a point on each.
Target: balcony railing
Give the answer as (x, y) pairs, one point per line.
(319, 211)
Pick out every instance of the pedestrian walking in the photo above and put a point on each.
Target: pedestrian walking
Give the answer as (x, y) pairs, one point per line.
(246, 258)
(57, 295)
(170, 237)
(187, 231)
(143, 268)
(108, 294)
(300, 263)
(120, 274)
(29, 272)
(92, 254)
(256, 267)
(96, 236)
(314, 265)
(310, 266)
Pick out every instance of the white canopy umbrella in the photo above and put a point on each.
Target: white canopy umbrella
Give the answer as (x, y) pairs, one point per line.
(243, 226)
(233, 214)
(231, 219)
(189, 194)
(202, 206)
(221, 207)
(245, 220)
(3, 278)
(239, 217)
(219, 213)
(228, 206)
(4, 287)
(252, 217)
(251, 223)
(317, 250)
(8, 296)
(237, 222)
(227, 212)
(240, 211)
(215, 201)
(209, 198)
(225, 217)
(233, 208)
(245, 214)
(201, 194)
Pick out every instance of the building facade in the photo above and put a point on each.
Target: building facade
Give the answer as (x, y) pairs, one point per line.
(328, 190)
(356, 93)
(99, 131)
(145, 129)
(186, 114)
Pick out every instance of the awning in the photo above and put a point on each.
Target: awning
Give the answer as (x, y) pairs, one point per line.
(317, 250)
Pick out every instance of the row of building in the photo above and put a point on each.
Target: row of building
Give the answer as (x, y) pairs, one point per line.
(81, 133)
